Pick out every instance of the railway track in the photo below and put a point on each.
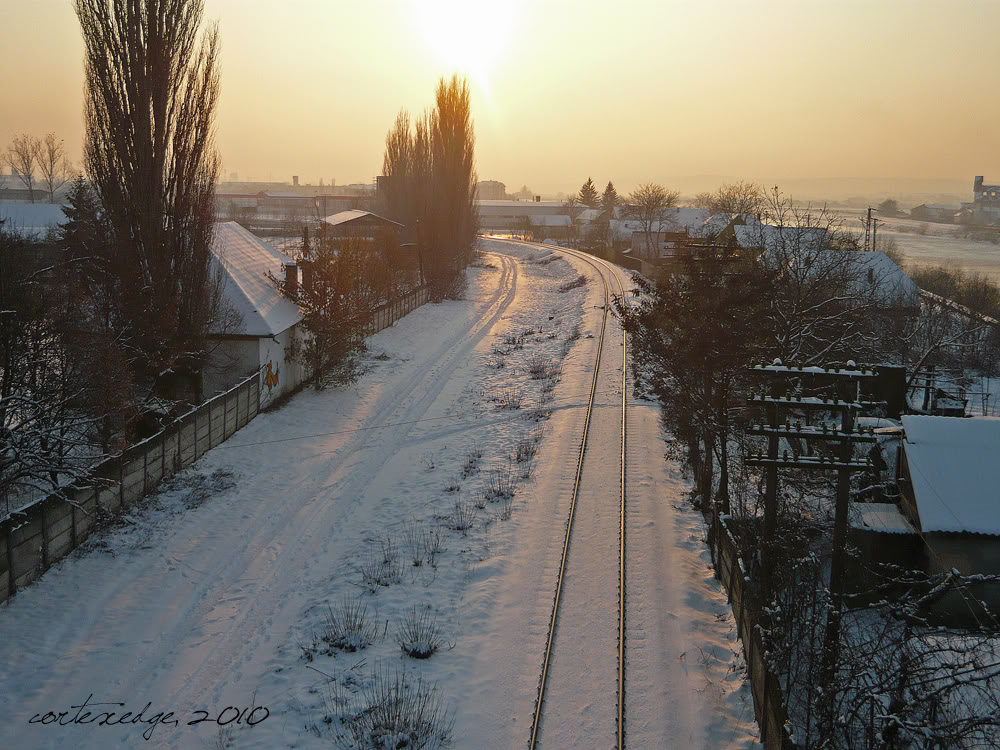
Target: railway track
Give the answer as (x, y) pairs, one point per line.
(604, 270)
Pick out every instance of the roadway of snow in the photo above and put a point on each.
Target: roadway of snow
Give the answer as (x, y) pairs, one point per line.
(211, 593)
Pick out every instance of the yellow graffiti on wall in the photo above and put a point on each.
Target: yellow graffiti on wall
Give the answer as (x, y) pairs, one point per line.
(271, 377)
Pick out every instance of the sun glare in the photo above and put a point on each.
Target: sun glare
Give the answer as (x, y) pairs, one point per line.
(468, 38)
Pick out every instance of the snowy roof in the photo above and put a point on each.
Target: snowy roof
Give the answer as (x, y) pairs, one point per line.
(589, 214)
(517, 203)
(675, 220)
(807, 245)
(954, 472)
(892, 282)
(31, 218)
(556, 220)
(885, 518)
(344, 217)
(768, 237)
(246, 260)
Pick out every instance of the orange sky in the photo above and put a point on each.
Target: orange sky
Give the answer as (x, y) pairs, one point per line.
(630, 91)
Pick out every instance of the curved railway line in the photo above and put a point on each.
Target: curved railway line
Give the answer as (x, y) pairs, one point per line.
(604, 270)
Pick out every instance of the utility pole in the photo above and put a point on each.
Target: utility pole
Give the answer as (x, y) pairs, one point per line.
(874, 231)
(868, 229)
(846, 401)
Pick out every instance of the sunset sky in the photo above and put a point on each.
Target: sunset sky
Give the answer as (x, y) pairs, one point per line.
(631, 91)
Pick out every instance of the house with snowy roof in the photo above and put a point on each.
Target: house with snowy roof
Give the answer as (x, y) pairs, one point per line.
(950, 493)
(357, 223)
(263, 325)
(650, 245)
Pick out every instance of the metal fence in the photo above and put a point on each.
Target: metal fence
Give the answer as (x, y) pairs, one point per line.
(33, 539)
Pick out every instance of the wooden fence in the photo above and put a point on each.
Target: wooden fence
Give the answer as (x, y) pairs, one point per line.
(768, 702)
(35, 538)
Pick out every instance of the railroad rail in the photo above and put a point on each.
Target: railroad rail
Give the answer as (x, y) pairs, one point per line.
(601, 267)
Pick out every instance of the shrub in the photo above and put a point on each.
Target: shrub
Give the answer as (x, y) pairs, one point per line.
(540, 368)
(500, 482)
(471, 465)
(513, 341)
(380, 565)
(419, 635)
(392, 711)
(508, 398)
(350, 627)
(506, 508)
(414, 538)
(463, 517)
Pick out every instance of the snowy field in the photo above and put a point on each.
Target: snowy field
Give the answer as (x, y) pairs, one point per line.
(218, 591)
(930, 244)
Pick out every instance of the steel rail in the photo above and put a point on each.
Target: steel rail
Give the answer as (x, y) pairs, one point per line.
(597, 264)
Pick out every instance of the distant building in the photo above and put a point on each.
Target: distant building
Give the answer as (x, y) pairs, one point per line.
(507, 214)
(941, 213)
(359, 224)
(491, 190)
(986, 202)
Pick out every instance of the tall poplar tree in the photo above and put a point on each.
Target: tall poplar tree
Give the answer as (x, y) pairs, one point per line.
(152, 83)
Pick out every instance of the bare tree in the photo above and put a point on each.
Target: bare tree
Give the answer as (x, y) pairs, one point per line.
(649, 204)
(151, 93)
(55, 169)
(22, 157)
(740, 197)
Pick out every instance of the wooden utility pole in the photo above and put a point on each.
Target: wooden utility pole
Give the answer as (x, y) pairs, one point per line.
(846, 403)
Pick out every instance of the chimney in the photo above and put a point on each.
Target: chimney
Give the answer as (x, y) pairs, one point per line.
(306, 274)
(295, 180)
(291, 279)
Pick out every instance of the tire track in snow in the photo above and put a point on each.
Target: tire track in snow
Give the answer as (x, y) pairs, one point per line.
(203, 625)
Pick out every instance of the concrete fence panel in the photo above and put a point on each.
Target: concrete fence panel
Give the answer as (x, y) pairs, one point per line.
(34, 538)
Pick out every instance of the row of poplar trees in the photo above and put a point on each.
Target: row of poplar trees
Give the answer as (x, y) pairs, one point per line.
(429, 185)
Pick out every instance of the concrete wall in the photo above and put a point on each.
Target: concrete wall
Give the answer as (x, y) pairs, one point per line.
(32, 540)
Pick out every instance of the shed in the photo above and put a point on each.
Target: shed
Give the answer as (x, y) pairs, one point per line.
(950, 487)
(357, 223)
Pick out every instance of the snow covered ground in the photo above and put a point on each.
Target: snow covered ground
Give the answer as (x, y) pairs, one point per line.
(216, 591)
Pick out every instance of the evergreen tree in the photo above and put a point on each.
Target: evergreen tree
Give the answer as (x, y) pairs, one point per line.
(610, 197)
(588, 195)
(83, 233)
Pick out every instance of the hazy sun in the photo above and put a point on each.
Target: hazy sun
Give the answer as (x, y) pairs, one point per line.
(466, 36)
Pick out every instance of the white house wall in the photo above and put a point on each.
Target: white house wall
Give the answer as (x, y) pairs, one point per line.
(279, 375)
(231, 361)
